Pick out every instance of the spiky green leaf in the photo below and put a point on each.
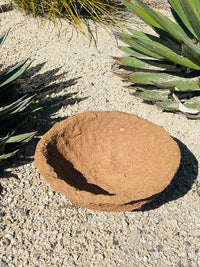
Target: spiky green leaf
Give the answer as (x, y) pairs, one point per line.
(137, 47)
(196, 8)
(181, 85)
(131, 51)
(195, 106)
(177, 7)
(21, 138)
(183, 108)
(166, 81)
(150, 78)
(192, 18)
(147, 64)
(167, 53)
(7, 155)
(13, 143)
(16, 107)
(13, 73)
(175, 46)
(155, 95)
(141, 13)
(167, 42)
(3, 141)
(164, 23)
(167, 105)
(193, 102)
(192, 52)
(3, 37)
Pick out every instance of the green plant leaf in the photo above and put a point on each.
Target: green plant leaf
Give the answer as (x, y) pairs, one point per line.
(14, 142)
(192, 52)
(167, 105)
(193, 4)
(183, 108)
(16, 107)
(193, 102)
(14, 114)
(3, 37)
(169, 61)
(177, 7)
(3, 141)
(193, 105)
(167, 42)
(164, 23)
(21, 138)
(7, 155)
(167, 53)
(138, 47)
(164, 80)
(155, 95)
(150, 78)
(192, 18)
(13, 73)
(147, 64)
(182, 85)
(141, 13)
(132, 52)
(196, 8)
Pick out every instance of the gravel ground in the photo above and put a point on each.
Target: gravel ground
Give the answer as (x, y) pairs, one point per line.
(39, 227)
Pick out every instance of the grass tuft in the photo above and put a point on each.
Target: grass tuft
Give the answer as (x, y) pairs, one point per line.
(75, 11)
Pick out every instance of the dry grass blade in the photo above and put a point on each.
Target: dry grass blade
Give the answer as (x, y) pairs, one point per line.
(75, 11)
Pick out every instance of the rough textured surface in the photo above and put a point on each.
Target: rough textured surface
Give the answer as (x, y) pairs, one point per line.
(107, 160)
(40, 227)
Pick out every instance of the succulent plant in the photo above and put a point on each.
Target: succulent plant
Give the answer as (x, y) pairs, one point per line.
(165, 67)
(13, 114)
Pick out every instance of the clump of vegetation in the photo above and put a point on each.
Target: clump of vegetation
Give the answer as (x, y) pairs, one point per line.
(75, 11)
(14, 113)
(165, 67)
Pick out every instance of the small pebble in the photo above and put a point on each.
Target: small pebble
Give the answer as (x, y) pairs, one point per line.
(6, 242)
(3, 263)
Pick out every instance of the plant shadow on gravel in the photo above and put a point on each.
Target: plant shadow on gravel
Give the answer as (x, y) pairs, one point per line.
(42, 85)
(182, 181)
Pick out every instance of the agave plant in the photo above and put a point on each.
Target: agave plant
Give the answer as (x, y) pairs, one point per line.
(12, 115)
(165, 66)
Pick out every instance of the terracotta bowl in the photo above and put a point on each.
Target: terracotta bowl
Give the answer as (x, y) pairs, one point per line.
(107, 160)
